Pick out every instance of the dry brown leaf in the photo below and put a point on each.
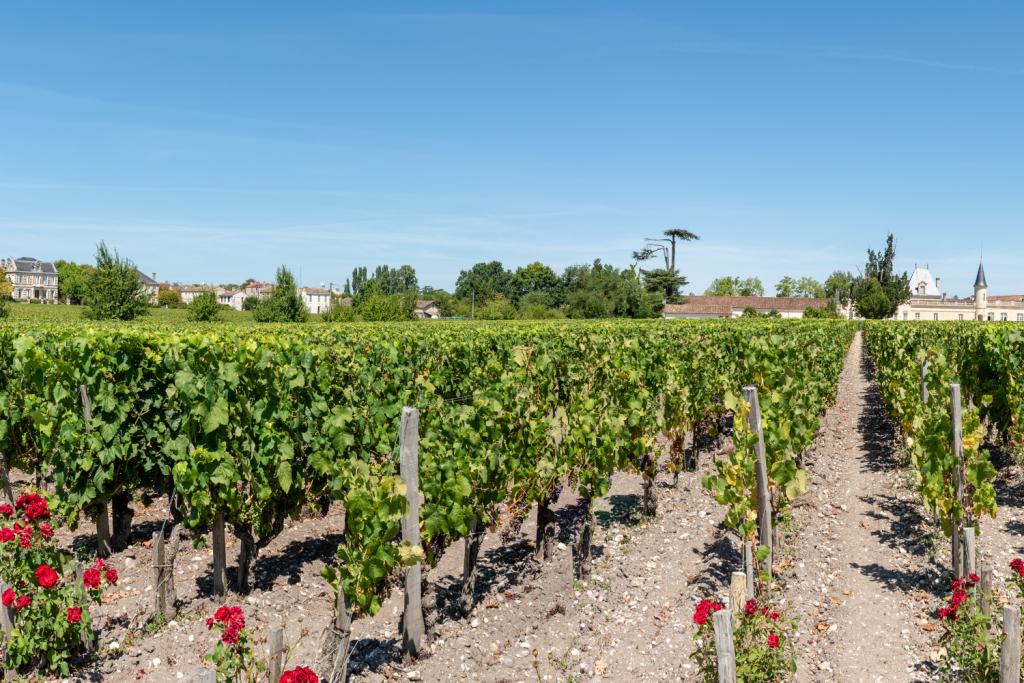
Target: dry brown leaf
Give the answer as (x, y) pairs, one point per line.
(493, 604)
(600, 667)
(812, 654)
(927, 627)
(815, 613)
(148, 544)
(822, 625)
(835, 602)
(921, 595)
(864, 526)
(671, 608)
(847, 592)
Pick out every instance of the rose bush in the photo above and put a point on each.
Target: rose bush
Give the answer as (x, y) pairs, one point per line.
(49, 620)
(762, 639)
(972, 653)
(235, 658)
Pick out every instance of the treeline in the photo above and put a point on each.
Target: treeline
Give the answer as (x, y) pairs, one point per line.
(489, 291)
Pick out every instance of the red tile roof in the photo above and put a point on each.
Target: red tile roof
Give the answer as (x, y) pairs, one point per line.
(725, 305)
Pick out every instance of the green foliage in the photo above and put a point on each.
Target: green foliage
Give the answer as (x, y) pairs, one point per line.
(873, 304)
(535, 280)
(250, 303)
(827, 312)
(169, 297)
(376, 307)
(498, 308)
(258, 421)
(734, 286)
(540, 312)
(840, 286)
(751, 312)
(879, 268)
(114, 290)
(485, 280)
(806, 287)
(284, 305)
(392, 281)
(204, 307)
(664, 282)
(72, 280)
(338, 313)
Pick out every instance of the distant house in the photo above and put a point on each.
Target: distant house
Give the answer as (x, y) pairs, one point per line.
(232, 298)
(316, 300)
(151, 286)
(190, 292)
(427, 309)
(31, 278)
(733, 306)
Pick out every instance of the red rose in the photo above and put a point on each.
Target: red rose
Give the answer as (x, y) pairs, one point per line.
(111, 576)
(750, 608)
(209, 623)
(74, 614)
(1018, 566)
(958, 598)
(773, 640)
(91, 578)
(974, 578)
(6, 509)
(38, 510)
(299, 674)
(25, 539)
(46, 577)
(9, 597)
(700, 616)
(28, 499)
(6, 534)
(230, 637)
(774, 616)
(23, 602)
(45, 530)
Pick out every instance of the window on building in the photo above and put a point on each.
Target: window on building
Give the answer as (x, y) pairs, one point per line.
(904, 316)
(917, 316)
(1020, 317)
(935, 316)
(1002, 317)
(991, 316)
(959, 316)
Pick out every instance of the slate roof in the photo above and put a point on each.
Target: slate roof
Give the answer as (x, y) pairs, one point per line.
(980, 280)
(146, 280)
(25, 264)
(424, 304)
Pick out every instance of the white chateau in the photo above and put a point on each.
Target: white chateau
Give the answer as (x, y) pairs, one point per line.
(927, 302)
(31, 278)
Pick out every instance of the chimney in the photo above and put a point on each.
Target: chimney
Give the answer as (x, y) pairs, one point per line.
(936, 283)
(154, 277)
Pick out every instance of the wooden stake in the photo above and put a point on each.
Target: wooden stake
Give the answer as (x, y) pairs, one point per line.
(7, 623)
(764, 503)
(724, 647)
(275, 643)
(924, 386)
(5, 481)
(90, 643)
(748, 556)
(469, 568)
(102, 529)
(204, 675)
(737, 591)
(1009, 653)
(969, 559)
(220, 557)
(958, 456)
(159, 574)
(409, 440)
(986, 590)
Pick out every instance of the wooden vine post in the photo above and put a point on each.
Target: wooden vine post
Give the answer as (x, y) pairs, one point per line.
(748, 558)
(412, 622)
(1009, 652)
(737, 592)
(5, 481)
(160, 573)
(102, 518)
(724, 647)
(924, 385)
(90, 643)
(275, 645)
(986, 590)
(220, 557)
(204, 675)
(764, 502)
(958, 457)
(7, 623)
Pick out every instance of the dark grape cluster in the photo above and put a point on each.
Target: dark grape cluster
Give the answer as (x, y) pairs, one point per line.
(514, 523)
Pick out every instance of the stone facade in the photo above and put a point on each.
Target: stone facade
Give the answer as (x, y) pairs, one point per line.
(927, 302)
(31, 278)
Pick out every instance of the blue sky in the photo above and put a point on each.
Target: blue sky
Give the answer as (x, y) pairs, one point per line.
(213, 142)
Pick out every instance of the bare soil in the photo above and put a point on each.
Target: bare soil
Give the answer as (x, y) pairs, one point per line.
(862, 567)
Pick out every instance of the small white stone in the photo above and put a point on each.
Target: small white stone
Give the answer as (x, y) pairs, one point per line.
(524, 645)
(475, 623)
(191, 638)
(156, 662)
(387, 634)
(114, 646)
(575, 652)
(172, 624)
(149, 588)
(414, 676)
(181, 675)
(561, 546)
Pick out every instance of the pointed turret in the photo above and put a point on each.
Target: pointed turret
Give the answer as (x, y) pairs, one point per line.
(980, 280)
